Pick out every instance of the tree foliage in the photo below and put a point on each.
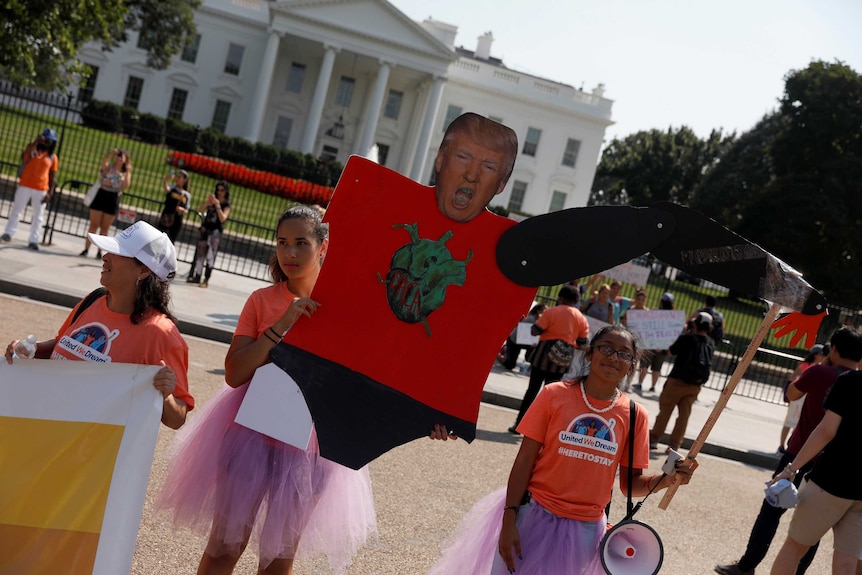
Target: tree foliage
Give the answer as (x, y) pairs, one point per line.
(651, 166)
(793, 183)
(41, 38)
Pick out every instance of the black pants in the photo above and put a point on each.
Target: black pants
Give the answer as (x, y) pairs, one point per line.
(766, 524)
(538, 378)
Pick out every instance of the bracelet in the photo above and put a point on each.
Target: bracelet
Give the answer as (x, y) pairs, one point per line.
(274, 333)
(266, 333)
(512, 507)
(790, 471)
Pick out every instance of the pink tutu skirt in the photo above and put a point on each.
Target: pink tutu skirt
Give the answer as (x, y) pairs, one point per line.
(242, 484)
(550, 545)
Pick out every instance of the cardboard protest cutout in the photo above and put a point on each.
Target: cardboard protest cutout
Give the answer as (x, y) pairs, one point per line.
(413, 311)
(553, 248)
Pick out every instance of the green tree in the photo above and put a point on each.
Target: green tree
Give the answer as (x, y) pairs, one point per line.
(651, 166)
(41, 38)
(793, 183)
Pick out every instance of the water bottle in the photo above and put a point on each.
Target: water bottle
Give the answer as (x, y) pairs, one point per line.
(25, 348)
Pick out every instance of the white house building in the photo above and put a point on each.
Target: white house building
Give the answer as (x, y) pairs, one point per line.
(340, 77)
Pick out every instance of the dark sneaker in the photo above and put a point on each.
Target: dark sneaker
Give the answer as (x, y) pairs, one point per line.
(33, 246)
(5, 238)
(514, 430)
(84, 253)
(732, 569)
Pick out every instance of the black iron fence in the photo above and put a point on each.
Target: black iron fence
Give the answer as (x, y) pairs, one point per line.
(248, 238)
(247, 242)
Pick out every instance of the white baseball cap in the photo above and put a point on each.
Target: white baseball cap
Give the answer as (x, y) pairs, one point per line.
(146, 244)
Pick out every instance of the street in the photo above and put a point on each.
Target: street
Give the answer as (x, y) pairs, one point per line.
(423, 488)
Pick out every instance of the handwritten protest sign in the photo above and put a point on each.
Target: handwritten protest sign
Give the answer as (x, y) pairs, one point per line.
(629, 273)
(657, 328)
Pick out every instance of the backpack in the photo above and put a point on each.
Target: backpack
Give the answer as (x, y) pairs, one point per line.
(699, 360)
(717, 332)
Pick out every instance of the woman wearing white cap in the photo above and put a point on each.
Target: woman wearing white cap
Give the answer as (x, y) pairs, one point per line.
(128, 320)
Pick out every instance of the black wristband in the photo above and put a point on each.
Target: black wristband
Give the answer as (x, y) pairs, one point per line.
(266, 333)
(274, 333)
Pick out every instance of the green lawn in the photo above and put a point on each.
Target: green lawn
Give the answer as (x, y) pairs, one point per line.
(83, 148)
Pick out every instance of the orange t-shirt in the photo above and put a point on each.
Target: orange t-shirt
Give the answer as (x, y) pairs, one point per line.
(263, 308)
(563, 322)
(36, 170)
(575, 470)
(100, 334)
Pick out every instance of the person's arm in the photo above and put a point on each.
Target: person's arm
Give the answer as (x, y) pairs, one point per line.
(52, 182)
(611, 313)
(246, 353)
(127, 179)
(166, 183)
(223, 213)
(643, 485)
(793, 392)
(44, 349)
(173, 410)
(519, 478)
(819, 438)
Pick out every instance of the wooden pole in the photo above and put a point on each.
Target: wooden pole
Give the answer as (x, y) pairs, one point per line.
(743, 364)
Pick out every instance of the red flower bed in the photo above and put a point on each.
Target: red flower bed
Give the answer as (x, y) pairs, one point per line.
(266, 182)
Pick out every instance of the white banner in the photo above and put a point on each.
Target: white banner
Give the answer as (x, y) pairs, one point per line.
(524, 336)
(76, 446)
(657, 328)
(629, 273)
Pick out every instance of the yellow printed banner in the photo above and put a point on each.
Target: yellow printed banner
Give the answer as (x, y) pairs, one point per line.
(76, 447)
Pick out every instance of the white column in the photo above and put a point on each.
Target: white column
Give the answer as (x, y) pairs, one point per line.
(372, 110)
(309, 136)
(431, 107)
(264, 80)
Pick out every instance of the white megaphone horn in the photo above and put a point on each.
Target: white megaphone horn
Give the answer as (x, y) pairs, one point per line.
(632, 548)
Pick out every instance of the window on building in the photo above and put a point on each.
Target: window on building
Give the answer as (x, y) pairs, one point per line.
(85, 92)
(233, 62)
(382, 153)
(282, 132)
(178, 104)
(570, 155)
(220, 116)
(190, 50)
(558, 200)
(328, 154)
(295, 78)
(133, 92)
(531, 142)
(452, 112)
(144, 40)
(393, 104)
(345, 91)
(516, 198)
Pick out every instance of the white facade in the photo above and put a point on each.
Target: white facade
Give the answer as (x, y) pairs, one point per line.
(340, 77)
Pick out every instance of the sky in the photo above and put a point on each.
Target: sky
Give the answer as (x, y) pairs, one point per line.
(705, 65)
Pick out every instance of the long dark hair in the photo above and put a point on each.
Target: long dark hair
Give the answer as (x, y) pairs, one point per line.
(151, 294)
(311, 214)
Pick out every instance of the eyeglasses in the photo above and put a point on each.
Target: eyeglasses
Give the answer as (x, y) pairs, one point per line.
(607, 350)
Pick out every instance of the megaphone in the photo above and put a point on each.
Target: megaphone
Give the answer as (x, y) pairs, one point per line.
(631, 548)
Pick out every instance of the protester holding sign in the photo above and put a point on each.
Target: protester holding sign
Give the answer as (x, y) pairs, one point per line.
(230, 481)
(129, 321)
(693, 353)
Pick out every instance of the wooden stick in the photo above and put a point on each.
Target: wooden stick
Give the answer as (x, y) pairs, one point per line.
(747, 357)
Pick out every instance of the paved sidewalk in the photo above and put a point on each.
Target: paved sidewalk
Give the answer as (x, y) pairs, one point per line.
(746, 431)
